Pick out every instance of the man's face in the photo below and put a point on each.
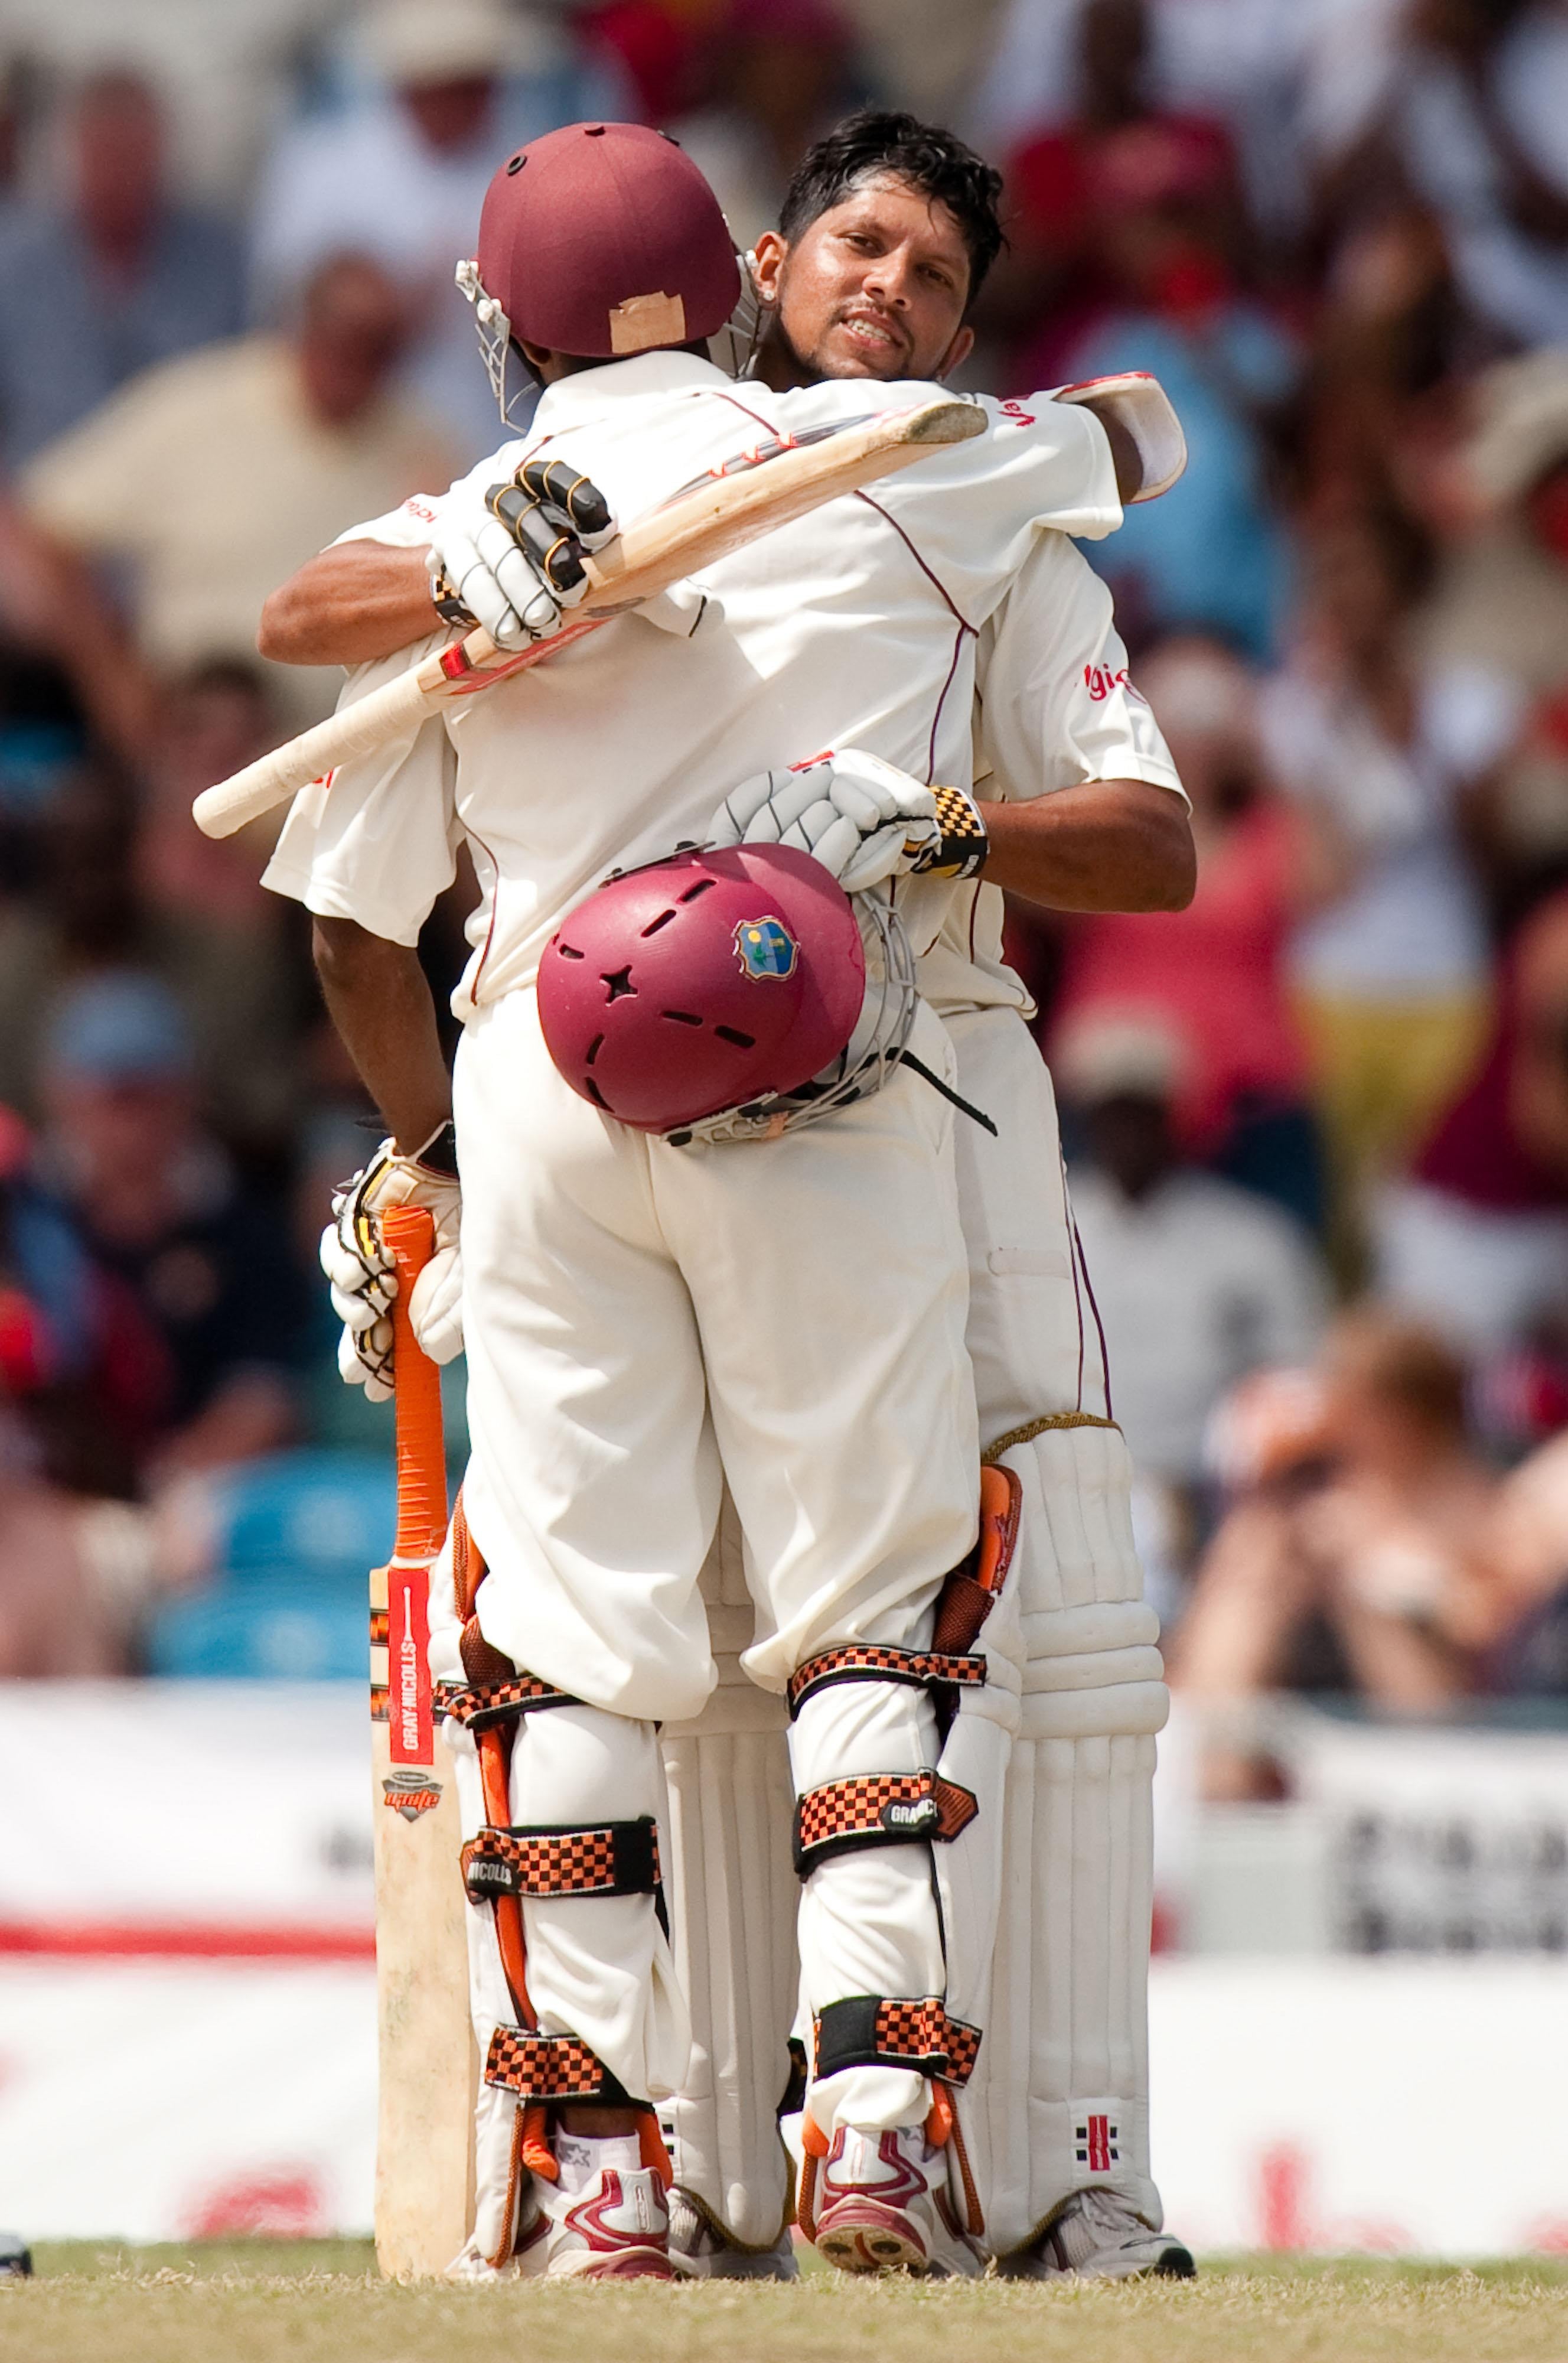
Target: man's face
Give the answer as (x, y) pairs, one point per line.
(875, 288)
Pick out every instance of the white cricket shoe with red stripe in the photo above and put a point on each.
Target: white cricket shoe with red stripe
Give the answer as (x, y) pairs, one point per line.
(611, 2224)
(882, 2203)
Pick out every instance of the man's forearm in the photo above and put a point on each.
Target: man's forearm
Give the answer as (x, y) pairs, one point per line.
(352, 604)
(382, 1006)
(1108, 845)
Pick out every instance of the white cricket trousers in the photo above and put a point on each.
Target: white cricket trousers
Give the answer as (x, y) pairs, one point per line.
(645, 1323)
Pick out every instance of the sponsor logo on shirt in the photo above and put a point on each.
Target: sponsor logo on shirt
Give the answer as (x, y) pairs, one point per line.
(1016, 414)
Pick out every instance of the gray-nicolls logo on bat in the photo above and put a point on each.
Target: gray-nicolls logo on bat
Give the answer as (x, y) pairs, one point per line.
(410, 1793)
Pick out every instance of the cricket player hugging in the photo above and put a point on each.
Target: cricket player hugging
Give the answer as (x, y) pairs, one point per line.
(710, 1231)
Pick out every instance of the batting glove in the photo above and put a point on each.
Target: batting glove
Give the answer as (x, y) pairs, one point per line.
(863, 819)
(363, 1277)
(513, 557)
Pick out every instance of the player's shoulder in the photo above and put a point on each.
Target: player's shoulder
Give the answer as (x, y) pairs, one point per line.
(839, 402)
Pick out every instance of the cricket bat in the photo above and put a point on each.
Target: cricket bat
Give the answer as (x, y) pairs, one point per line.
(770, 485)
(427, 2063)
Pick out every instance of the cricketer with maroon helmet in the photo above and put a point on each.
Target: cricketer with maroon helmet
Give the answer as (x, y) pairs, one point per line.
(771, 1299)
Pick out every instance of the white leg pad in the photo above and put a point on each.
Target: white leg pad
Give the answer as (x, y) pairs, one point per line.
(1066, 2028)
(734, 1898)
(598, 1967)
(868, 1922)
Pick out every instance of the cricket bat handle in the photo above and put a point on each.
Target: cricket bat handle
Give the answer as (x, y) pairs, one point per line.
(371, 722)
(409, 1235)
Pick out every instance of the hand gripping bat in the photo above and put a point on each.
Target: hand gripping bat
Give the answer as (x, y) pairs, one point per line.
(760, 490)
(426, 2065)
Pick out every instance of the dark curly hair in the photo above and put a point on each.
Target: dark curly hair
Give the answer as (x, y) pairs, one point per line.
(935, 163)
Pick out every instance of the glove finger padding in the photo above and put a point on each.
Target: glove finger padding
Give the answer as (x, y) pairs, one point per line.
(878, 856)
(575, 499)
(351, 1280)
(862, 818)
(365, 1363)
(361, 1275)
(787, 817)
(828, 836)
(514, 553)
(532, 600)
(733, 822)
(436, 1306)
(476, 588)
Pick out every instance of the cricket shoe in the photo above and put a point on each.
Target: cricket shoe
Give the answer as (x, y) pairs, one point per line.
(611, 2224)
(701, 2252)
(1096, 2237)
(882, 2203)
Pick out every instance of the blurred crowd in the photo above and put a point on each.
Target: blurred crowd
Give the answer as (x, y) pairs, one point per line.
(1317, 1123)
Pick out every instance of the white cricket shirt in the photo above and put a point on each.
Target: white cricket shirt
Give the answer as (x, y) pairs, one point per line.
(858, 625)
(1055, 707)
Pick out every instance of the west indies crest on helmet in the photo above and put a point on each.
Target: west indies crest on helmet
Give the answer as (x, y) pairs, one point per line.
(708, 982)
(602, 240)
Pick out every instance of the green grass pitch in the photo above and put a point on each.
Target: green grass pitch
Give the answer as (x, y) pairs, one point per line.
(320, 2301)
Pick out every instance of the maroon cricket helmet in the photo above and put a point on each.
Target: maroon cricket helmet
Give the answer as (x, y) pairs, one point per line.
(603, 240)
(702, 984)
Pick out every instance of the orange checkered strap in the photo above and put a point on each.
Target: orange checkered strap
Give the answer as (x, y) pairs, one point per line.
(478, 1705)
(877, 1809)
(876, 2031)
(550, 2068)
(878, 1662)
(621, 1859)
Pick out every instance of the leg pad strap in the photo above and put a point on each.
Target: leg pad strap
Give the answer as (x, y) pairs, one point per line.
(871, 2030)
(619, 1859)
(873, 1809)
(550, 2068)
(481, 1705)
(875, 1661)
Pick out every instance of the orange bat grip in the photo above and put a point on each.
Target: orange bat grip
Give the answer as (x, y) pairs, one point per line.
(409, 1235)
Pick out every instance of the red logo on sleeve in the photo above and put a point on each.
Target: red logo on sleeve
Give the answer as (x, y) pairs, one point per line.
(1101, 680)
(1017, 414)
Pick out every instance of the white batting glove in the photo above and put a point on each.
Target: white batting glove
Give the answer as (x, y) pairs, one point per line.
(863, 819)
(363, 1277)
(513, 554)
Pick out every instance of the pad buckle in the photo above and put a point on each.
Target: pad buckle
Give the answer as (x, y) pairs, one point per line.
(872, 1809)
(619, 1859)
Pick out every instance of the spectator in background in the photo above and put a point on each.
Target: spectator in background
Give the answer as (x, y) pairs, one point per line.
(160, 1209)
(1215, 973)
(1392, 973)
(1358, 1560)
(212, 478)
(1236, 62)
(1050, 281)
(109, 281)
(211, 721)
(1479, 121)
(1501, 603)
(1527, 1548)
(399, 172)
(1475, 1238)
(781, 75)
(1212, 555)
(1197, 1282)
(230, 979)
(59, 1618)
